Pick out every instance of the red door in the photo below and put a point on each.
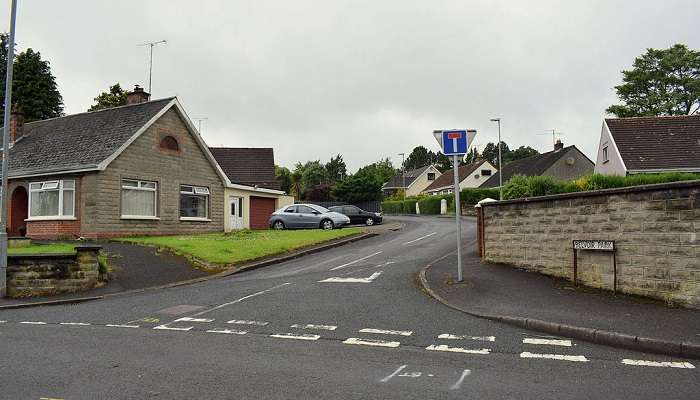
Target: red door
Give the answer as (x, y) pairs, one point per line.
(260, 210)
(19, 206)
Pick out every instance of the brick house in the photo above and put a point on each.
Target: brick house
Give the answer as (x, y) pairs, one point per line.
(136, 169)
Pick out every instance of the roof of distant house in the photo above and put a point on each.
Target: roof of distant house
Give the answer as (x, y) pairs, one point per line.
(248, 166)
(447, 178)
(657, 143)
(397, 182)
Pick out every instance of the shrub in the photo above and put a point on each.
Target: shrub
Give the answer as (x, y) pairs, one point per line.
(409, 206)
(430, 205)
(392, 207)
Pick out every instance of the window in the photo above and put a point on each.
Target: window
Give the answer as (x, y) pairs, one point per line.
(52, 199)
(485, 172)
(194, 202)
(305, 210)
(605, 154)
(169, 143)
(291, 209)
(431, 176)
(138, 199)
(351, 210)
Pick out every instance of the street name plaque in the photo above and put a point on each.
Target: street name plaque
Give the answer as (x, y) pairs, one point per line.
(600, 245)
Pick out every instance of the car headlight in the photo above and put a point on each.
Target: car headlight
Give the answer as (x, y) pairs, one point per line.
(378, 214)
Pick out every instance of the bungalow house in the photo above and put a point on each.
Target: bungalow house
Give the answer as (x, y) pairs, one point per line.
(133, 170)
(413, 182)
(563, 163)
(470, 176)
(252, 192)
(649, 145)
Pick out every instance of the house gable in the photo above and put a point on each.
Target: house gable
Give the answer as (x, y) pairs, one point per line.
(608, 159)
(572, 164)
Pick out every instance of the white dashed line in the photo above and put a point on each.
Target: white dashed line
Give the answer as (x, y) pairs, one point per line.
(2, 322)
(242, 299)
(189, 319)
(247, 322)
(458, 384)
(74, 323)
(668, 364)
(421, 238)
(369, 279)
(122, 326)
(33, 323)
(443, 347)
(393, 374)
(312, 326)
(295, 336)
(561, 357)
(227, 331)
(467, 337)
(551, 342)
(370, 342)
(167, 328)
(386, 332)
(355, 262)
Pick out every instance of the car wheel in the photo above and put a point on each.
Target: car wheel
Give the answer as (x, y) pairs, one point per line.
(326, 224)
(278, 225)
(369, 222)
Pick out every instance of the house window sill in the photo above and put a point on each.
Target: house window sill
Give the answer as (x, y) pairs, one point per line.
(50, 218)
(138, 217)
(194, 219)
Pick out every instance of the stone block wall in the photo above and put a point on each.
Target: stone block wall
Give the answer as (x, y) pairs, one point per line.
(655, 229)
(49, 274)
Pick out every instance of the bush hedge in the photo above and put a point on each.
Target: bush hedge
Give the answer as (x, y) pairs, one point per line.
(431, 204)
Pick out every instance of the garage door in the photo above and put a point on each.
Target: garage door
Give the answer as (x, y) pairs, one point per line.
(260, 210)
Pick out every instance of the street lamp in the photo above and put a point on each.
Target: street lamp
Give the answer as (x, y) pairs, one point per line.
(500, 164)
(403, 173)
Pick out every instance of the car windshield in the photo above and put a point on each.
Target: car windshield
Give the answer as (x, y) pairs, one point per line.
(320, 209)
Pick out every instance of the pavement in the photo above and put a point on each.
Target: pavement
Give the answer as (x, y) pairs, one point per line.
(346, 323)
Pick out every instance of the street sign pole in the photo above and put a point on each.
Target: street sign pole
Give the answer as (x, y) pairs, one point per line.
(458, 210)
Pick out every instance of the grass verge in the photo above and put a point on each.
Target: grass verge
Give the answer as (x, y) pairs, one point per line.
(38, 248)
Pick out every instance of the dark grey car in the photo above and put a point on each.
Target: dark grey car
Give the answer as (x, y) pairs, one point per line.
(307, 216)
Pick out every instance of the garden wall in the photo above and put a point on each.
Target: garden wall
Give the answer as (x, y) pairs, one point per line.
(48, 274)
(655, 229)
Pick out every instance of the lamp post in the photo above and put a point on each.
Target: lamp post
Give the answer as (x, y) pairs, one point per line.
(500, 164)
(403, 173)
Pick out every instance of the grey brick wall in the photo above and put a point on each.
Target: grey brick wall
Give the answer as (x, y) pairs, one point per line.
(655, 229)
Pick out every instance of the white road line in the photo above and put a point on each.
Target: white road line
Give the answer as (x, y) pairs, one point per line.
(561, 357)
(458, 384)
(33, 323)
(122, 326)
(354, 262)
(2, 322)
(354, 280)
(247, 322)
(442, 347)
(74, 323)
(551, 342)
(370, 342)
(421, 238)
(464, 337)
(312, 326)
(241, 299)
(393, 374)
(295, 336)
(386, 332)
(190, 319)
(668, 364)
(167, 328)
(228, 331)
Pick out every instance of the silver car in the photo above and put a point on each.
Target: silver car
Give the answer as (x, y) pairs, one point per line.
(307, 216)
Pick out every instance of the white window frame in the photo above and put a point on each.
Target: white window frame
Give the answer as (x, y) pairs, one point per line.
(606, 157)
(52, 185)
(140, 185)
(198, 191)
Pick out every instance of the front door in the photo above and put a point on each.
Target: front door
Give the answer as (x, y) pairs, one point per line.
(236, 212)
(18, 212)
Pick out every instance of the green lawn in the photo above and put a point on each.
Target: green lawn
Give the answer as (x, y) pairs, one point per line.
(236, 247)
(52, 248)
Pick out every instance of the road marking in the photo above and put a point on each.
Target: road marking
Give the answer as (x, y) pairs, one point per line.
(247, 322)
(190, 319)
(312, 326)
(241, 299)
(354, 280)
(354, 262)
(2, 322)
(228, 331)
(393, 374)
(463, 337)
(122, 326)
(295, 336)
(386, 332)
(458, 384)
(552, 342)
(669, 364)
(74, 323)
(50, 398)
(167, 328)
(421, 238)
(442, 347)
(561, 357)
(371, 342)
(33, 323)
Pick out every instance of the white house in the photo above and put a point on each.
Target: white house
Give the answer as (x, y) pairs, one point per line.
(470, 176)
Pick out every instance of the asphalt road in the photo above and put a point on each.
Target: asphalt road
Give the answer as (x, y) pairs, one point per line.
(346, 323)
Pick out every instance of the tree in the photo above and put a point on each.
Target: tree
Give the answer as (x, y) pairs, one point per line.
(471, 157)
(336, 169)
(520, 153)
(284, 177)
(382, 169)
(114, 98)
(310, 173)
(364, 185)
(443, 162)
(661, 82)
(490, 153)
(419, 157)
(34, 88)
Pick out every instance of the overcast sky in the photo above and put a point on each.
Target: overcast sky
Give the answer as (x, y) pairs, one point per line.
(367, 79)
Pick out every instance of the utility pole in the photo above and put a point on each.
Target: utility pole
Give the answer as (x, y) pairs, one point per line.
(403, 173)
(6, 151)
(150, 65)
(199, 123)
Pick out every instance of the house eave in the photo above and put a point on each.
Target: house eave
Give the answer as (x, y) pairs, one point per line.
(45, 172)
(254, 189)
(661, 170)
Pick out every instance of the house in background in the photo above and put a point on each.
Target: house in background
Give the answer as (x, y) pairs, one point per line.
(470, 176)
(415, 181)
(563, 163)
(253, 192)
(139, 169)
(649, 145)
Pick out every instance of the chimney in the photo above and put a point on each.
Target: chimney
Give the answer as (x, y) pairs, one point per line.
(558, 145)
(16, 123)
(137, 96)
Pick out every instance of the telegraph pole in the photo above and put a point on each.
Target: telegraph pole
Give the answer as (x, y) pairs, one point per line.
(5, 151)
(150, 64)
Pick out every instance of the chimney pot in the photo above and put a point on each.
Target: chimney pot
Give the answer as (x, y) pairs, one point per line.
(138, 95)
(558, 145)
(16, 123)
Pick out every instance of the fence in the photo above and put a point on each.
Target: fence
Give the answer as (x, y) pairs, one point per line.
(372, 206)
